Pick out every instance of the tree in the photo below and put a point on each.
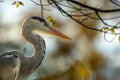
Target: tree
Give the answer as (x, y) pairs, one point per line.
(81, 12)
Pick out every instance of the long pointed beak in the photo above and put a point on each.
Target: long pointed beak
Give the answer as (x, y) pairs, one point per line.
(43, 27)
(59, 34)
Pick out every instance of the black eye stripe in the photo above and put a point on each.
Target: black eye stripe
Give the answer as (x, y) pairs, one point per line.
(41, 20)
(38, 18)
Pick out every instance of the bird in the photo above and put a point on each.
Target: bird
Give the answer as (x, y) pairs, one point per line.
(31, 28)
(9, 66)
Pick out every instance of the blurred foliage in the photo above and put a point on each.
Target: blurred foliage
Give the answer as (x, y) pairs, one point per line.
(87, 68)
(80, 70)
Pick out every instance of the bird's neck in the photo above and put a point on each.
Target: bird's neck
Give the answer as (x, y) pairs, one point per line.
(37, 42)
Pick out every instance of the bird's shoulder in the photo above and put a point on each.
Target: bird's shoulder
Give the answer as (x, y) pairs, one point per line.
(14, 53)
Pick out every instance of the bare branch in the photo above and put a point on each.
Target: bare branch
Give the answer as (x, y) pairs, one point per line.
(81, 13)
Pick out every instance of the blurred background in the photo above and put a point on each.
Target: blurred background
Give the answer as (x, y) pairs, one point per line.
(88, 56)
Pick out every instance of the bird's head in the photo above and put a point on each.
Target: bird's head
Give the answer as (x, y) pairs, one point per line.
(42, 26)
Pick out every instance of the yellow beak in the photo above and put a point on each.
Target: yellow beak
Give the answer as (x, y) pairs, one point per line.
(59, 34)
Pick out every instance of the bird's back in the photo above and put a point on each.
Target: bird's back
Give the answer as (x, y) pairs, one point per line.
(9, 65)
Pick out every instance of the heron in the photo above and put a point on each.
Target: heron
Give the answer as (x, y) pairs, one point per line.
(30, 32)
(9, 66)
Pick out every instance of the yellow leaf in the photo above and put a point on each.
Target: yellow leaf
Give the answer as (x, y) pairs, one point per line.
(83, 70)
(112, 30)
(51, 20)
(106, 28)
(17, 4)
(119, 38)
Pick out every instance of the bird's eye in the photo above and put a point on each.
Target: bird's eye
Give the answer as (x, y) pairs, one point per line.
(45, 24)
(15, 56)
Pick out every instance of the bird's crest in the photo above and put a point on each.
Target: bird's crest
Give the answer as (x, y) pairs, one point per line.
(38, 18)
